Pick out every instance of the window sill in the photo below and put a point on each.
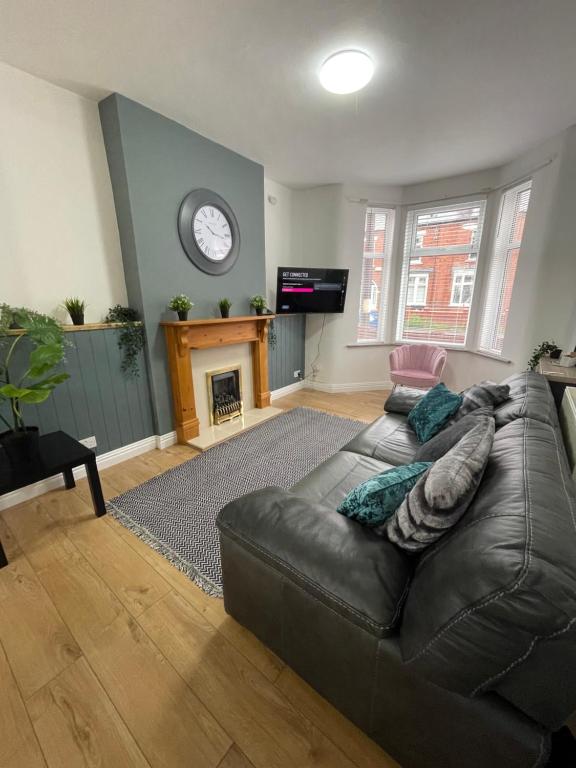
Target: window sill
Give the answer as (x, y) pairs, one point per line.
(477, 352)
(492, 356)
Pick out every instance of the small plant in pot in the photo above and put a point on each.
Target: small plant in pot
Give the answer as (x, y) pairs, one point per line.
(545, 348)
(225, 305)
(30, 384)
(181, 304)
(258, 303)
(75, 308)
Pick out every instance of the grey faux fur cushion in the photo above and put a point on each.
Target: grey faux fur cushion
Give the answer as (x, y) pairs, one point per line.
(480, 395)
(440, 444)
(442, 495)
(403, 399)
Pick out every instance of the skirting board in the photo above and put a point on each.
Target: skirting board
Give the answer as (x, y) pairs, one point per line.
(357, 386)
(103, 461)
(322, 386)
(283, 391)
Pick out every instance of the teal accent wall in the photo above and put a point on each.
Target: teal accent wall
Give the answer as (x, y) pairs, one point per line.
(154, 162)
(288, 354)
(98, 399)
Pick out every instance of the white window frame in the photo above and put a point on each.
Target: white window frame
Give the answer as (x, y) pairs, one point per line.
(386, 299)
(463, 274)
(502, 245)
(410, 251)
(419, 277)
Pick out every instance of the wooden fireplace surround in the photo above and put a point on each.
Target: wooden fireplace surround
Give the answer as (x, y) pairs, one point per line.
(184, 336)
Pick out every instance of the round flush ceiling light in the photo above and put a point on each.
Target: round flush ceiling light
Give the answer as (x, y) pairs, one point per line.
(346, 71)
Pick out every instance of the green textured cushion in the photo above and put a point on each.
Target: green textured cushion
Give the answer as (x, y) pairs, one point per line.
(432, 412)
(375, 500)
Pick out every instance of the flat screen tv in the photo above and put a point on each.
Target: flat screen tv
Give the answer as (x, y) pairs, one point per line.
(306, 290)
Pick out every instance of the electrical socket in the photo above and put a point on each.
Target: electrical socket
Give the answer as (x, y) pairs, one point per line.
(298, 374)
(89, 442)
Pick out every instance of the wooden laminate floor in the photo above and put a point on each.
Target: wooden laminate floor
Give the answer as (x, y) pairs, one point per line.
(110, 657)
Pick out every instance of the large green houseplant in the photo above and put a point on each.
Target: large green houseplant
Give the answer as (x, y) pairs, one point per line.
(27, 384)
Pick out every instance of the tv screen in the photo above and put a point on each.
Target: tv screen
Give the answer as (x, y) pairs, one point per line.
(305, 290)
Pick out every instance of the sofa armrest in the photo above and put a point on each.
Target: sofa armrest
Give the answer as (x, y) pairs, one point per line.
(341, 563)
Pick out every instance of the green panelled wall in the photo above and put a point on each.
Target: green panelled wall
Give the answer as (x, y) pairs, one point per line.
(98, 399)
(288, 354)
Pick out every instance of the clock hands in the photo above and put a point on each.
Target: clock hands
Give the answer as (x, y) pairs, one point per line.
(221, 237)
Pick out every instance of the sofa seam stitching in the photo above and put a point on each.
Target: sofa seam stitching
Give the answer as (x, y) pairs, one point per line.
(308, 581)
(536, 638)
(520, 659)
(500, 593)
(456, 532)
(540, 752)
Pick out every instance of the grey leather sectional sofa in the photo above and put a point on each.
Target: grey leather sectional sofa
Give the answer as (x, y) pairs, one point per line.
(463, 657)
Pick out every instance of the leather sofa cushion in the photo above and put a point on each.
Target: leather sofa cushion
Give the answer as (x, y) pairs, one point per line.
(503, 582)
(341, 564)
(330, 483)
(530, 397)
(388, 439)
(403, 399)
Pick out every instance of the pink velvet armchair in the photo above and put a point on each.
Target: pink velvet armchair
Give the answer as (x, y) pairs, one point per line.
(417, 365)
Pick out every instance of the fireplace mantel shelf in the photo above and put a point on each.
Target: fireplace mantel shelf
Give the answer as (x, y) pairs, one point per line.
(215, 320)
(185, 335)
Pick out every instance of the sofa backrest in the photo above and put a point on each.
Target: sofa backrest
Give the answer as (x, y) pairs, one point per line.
(530, 397)
(493, 604)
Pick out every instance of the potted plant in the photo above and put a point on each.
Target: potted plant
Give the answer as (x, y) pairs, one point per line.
(34, 383)
(75, 308)
(130, 337)
(543, 349)
(182, 305)
(258, 303)
(225, 305)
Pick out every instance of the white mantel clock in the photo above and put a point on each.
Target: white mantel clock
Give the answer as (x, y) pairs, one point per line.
(209, 231)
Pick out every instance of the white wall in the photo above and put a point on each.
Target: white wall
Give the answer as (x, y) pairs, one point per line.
(278, 233)
(58, 230)
(329, 221)
(555, 283)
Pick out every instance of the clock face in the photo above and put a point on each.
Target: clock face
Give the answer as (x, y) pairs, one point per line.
(212, 232)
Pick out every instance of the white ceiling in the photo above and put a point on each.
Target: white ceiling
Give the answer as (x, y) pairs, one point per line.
(460, 84)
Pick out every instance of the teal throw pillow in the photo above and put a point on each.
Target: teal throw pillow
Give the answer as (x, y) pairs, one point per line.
(376, 499)
(432, 412)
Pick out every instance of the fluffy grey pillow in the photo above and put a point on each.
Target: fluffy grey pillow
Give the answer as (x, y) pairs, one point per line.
(440, 444)
(443, 494)
(403, 399)
(480, 395)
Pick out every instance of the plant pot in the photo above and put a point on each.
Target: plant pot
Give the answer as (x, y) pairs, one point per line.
(225, 312)
(259, 310)
(77, 318)
(182, 314)
(555, 354)
(21, 446)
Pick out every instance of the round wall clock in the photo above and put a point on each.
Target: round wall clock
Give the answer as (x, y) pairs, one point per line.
(209, 231)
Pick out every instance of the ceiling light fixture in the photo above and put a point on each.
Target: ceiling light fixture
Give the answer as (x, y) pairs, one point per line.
(346, 71)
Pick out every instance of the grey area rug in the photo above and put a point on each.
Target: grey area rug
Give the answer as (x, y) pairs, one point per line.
(175, 512)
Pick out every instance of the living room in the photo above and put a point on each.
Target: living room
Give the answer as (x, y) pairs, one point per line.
(286, 384)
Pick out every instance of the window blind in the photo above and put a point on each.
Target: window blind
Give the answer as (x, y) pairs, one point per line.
(503, 264)
(376, 264)
(441, 247)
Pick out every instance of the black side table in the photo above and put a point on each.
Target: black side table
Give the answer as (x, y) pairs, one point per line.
(59, 454)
